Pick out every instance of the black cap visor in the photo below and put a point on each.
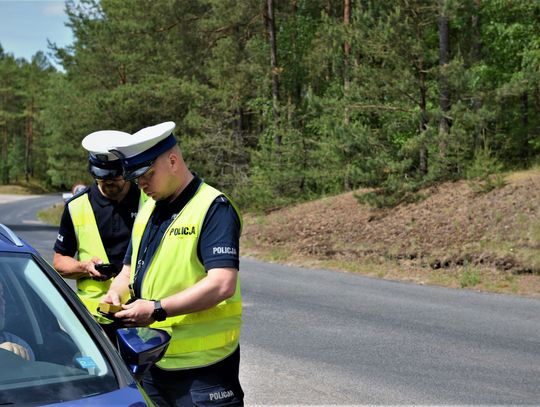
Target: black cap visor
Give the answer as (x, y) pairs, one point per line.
(104, 173)
(137, 171)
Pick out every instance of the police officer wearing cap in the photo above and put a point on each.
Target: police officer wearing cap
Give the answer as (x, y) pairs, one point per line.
(96, 223)
(182, 275)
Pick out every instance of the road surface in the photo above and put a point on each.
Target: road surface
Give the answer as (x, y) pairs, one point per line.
(314, 337)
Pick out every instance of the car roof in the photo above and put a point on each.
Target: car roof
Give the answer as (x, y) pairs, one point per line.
(10, 242)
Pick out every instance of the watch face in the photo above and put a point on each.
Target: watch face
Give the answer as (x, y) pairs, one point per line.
(159, 313)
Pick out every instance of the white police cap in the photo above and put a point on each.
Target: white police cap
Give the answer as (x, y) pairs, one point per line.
(100, 142)
(102, 164)
(139, 151)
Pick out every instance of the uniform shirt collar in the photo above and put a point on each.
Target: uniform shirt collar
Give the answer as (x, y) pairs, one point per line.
(103, 201)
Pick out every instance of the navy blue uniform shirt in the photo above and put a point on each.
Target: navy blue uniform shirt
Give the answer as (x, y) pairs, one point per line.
(219, 241)
(114, 221)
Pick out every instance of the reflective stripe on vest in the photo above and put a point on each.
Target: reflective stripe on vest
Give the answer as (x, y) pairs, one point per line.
(89, 245)
(200, 338)
(142, 199)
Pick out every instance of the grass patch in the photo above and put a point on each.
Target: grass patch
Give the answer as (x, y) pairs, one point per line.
(51, 215)
(442, 278)
(507, 284)
(251, 248)
(470, 277)
(522, 245)
(278, 254)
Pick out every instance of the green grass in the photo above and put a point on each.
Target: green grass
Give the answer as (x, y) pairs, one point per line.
(507, 284)
(278, 254)
(442, 278)
(51, 215)
(470, 277)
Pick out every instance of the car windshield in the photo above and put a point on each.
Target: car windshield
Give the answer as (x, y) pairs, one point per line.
(47, 354)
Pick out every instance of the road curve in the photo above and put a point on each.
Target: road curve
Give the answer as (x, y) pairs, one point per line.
(19, 213)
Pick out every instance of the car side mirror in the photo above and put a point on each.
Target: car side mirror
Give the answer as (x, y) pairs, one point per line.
(141, 348)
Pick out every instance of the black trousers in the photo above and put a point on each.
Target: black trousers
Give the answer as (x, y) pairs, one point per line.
(214, 385)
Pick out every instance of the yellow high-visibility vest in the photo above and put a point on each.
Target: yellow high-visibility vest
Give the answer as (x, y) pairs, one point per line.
(89, 245)
(200, 338)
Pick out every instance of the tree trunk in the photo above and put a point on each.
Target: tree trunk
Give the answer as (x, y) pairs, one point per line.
(444, 89)
(346, 55)
(297, 87)
(29, 141)
(476, 56)
(536, 102)
(524, 99)
(5, 166)
(273, 64)
(423, 158)
(240, 123)
(423, 153)
(476, 46)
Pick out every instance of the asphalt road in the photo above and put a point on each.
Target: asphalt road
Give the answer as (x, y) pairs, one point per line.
(20, 215)
(321, 337)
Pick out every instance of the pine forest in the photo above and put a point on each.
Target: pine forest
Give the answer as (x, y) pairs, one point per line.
(282, 101)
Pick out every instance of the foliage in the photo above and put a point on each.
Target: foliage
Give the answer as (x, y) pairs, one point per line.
(359, 102)
(484, 172)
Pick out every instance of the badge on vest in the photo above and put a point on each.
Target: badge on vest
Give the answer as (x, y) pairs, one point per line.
(183, 231)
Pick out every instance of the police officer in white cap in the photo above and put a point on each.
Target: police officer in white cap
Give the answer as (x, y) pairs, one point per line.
(183, 275)
(96, 224)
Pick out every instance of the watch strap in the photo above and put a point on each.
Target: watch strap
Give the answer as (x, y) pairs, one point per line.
(159, 313)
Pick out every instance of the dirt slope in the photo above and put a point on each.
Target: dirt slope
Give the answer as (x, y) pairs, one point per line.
(455, 237)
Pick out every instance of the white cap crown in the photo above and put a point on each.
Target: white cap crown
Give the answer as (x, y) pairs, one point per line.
(100, 142)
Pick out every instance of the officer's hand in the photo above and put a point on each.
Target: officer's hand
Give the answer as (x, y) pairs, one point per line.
(16, 349)
(112, 297)
(90, 267)
(137, 313)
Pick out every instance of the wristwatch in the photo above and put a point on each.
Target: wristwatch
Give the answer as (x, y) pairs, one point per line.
(159, 313)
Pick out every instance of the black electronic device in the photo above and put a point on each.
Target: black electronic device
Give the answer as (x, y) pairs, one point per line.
(107, 270)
